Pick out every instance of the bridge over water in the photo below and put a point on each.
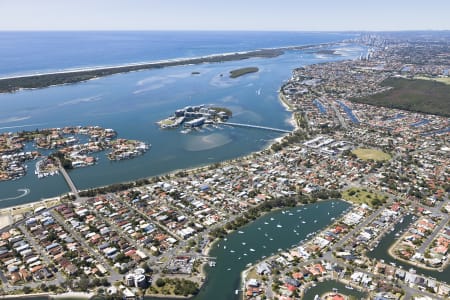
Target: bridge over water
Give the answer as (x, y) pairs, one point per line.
(69, 181)
(256, 127)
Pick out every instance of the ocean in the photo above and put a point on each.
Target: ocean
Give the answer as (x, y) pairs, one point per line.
(131, 103)
(32, 52)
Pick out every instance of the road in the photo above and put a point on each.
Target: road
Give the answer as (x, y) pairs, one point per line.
(431, 237)
(358, 227)
(83, 243)
(41, 252)
(69, 181)
(152, 221)
(338, 114)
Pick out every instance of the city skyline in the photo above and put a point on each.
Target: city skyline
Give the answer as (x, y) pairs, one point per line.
(263, 15)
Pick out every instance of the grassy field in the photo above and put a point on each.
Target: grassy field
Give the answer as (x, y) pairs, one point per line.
(243, 71)
(418, 95)
(373, 154)
(360, 196)
(445, 80)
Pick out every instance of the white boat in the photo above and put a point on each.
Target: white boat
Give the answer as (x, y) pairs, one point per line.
(348, 287)
(279, 226)
(252, 250)
(303, 222)
(271, 219)
(240, 232)
(243, 243)
(232, 251)
(265, 223)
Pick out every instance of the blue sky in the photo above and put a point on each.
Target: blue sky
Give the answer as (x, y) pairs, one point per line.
(310, 15)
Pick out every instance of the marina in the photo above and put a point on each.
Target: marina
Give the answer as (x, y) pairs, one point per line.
(225, 277)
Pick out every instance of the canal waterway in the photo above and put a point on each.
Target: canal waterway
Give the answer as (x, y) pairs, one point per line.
(381, 252)
(282, 229)
(132, 103)
(328, 286)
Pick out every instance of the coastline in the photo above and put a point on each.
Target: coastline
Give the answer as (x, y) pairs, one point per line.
(14, 83)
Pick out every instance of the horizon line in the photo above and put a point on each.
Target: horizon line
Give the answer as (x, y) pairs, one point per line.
(225, 30)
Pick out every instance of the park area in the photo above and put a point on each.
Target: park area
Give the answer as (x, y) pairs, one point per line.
(371, 154)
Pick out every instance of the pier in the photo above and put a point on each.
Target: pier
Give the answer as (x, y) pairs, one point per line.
(256, 127)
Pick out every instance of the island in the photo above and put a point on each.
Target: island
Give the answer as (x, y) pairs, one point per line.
(14, 83)
(243, 71)
(195, 117)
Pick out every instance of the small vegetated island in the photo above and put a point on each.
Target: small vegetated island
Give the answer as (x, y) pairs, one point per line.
(243, 71)
(12, 84)
(73, 148)
(192, 117)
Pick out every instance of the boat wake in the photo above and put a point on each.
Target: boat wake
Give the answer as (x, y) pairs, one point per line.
(23, 191)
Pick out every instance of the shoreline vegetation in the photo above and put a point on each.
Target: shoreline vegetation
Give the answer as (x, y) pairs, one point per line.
(12, 84)
(243, 71)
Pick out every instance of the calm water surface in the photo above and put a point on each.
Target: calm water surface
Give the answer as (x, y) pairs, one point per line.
(235, 253)
(131, 103)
